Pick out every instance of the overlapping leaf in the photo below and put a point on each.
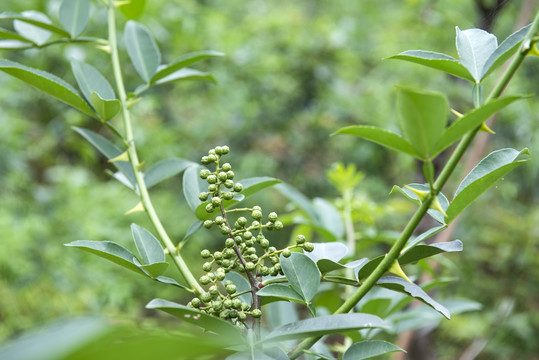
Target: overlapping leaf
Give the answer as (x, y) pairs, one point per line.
(369, 349)
(197, 317)
(302, 274)
(401, 285)
(74, 15)
(324, 325)
(142, 49)
(436, 61)
(492, 168)
(380, 136)
(181, 63)
(48, 83)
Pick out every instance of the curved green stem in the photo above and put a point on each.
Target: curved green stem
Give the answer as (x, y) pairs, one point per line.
(448, 169)
(133, 158)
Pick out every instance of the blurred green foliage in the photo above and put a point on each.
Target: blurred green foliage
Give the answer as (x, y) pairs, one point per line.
(295, 71)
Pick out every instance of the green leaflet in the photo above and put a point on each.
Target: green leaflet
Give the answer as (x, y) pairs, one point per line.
(492, 168)
(48, 83)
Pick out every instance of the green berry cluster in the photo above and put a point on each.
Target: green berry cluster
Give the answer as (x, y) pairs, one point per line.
(246, 248)
(222, 177)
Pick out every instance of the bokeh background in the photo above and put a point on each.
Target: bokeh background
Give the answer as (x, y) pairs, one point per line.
(294, 72)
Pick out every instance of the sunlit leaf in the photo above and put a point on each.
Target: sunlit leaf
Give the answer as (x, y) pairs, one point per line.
(187, 74)
(475, 46)
(132, 9)
(281, 291)
(105, 109)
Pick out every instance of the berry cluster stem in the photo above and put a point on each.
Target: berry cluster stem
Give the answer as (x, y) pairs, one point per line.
(135, 163)
(253, 281)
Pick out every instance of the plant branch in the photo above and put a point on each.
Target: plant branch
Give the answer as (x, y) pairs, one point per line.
(448, 169)
(133, 158)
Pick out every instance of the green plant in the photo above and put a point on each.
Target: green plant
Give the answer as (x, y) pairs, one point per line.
(223, 299)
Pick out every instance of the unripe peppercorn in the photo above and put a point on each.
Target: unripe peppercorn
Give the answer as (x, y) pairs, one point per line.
(224, 314)
(250, 250)
(271, 250)
(220, 275)
(231, 289)
(203, 196)
(249, 266)
(255, 224)
(205, 253)
(218, 150)
(215, 201)
(256, 214)
(250, 242)
(236, 303)
(253, 257)
(204, 173)
(274, 260)
(308, 247)
(207, 266)
(228, 195)
(218, 255)
(230, 175)
(196, 302)
(205, 280)
(208, 224)
(229, 243)
(226, 167)
(269, 225)
(222, 176)
(238, 187)
(229, 184)
(211, 179)
(278, 225)
(206, 296)
(228, 303)
(264, 243)
(213, 290)
(224, 229)
(233, 314)
(286, 253)
(210, 208)
(225, 149)
(229, 253)
(211, 152)
(272, 216)
(212, 158)
(245, 306)
(217, 305)
(242, 316)
(247, 235)
(264, 271)
(273, 271)
(277, 267)
(212, 188)
(211, 276)
(242, 221)
(256, 313)
(205, 160)
(219, 220)
(300, 239)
